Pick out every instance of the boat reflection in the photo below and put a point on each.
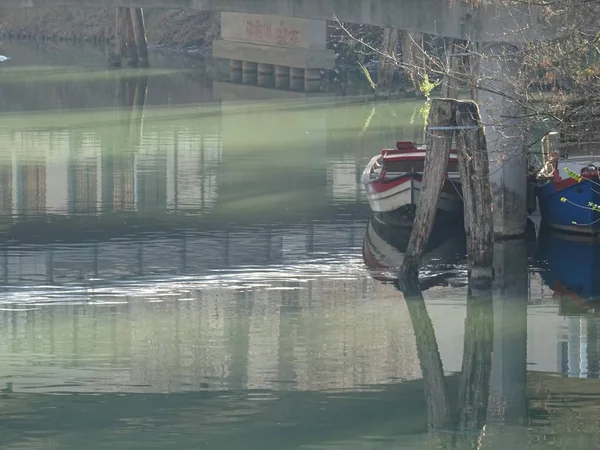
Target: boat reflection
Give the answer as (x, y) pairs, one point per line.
(572, 267)
(384, 246)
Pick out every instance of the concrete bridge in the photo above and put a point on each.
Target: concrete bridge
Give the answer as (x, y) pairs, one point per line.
(455, 19)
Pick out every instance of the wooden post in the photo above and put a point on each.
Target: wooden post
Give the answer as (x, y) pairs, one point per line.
(477, 197)
(139, 31)
(129, 45)
(436, 160)
(114, 46)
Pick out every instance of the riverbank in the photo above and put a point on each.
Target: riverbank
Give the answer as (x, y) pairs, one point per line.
(175, 30)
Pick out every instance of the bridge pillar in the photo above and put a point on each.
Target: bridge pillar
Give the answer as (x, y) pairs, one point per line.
(265, 75)
(498, 72)
(312, 80)
(249, 72)
(296, 79)
(282, 77)
(235, 71)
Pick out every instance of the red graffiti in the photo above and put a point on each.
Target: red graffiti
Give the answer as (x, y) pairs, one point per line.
(258, 30)
(287, 36)
(283, 36)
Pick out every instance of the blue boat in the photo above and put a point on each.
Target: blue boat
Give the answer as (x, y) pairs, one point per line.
(568, 192)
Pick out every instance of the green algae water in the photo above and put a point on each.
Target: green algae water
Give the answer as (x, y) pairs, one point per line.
(190, 264)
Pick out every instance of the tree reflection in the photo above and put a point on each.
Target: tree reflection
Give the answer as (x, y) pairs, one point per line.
(459, 423)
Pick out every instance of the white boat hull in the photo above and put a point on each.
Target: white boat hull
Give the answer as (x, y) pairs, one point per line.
(408, 193)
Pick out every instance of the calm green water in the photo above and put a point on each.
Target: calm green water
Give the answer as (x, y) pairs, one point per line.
(183, 266)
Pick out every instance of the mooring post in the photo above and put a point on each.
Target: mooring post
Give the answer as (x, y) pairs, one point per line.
(139, 31)
(113, 44)
(474, 170)
(120, 34)
(442, 114)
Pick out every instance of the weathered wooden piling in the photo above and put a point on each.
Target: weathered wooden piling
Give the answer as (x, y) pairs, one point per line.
(445, 117)
(112, 42)
(129, 47)
(129, 39)
(441, 122)
(474, 170)
(139, 32)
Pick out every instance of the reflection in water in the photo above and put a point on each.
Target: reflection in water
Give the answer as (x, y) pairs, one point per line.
(186, 272)
(384, 246)
(456, 418)
(572, 268)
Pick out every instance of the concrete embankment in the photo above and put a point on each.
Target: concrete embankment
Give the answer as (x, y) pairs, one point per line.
(191, 31)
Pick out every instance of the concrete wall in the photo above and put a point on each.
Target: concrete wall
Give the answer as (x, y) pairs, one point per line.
(457, 19)
(274, 30)
(290, 52)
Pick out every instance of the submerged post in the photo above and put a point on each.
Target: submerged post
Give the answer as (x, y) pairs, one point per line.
(442, 114)
(474, 170)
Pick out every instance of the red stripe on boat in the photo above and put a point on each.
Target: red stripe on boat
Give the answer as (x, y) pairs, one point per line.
(564, 183)
(382, 186)
(376, 187)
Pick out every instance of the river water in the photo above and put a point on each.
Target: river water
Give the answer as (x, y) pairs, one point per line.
(191, 264)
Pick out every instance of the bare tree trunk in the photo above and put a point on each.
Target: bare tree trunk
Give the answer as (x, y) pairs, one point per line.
(436, 160)
(387, 61)
(139, 31)
(477, 197)
(451, 81)
(413, 58)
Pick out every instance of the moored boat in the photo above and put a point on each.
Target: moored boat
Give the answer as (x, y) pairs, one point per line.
(569, 191)
(393, 181)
